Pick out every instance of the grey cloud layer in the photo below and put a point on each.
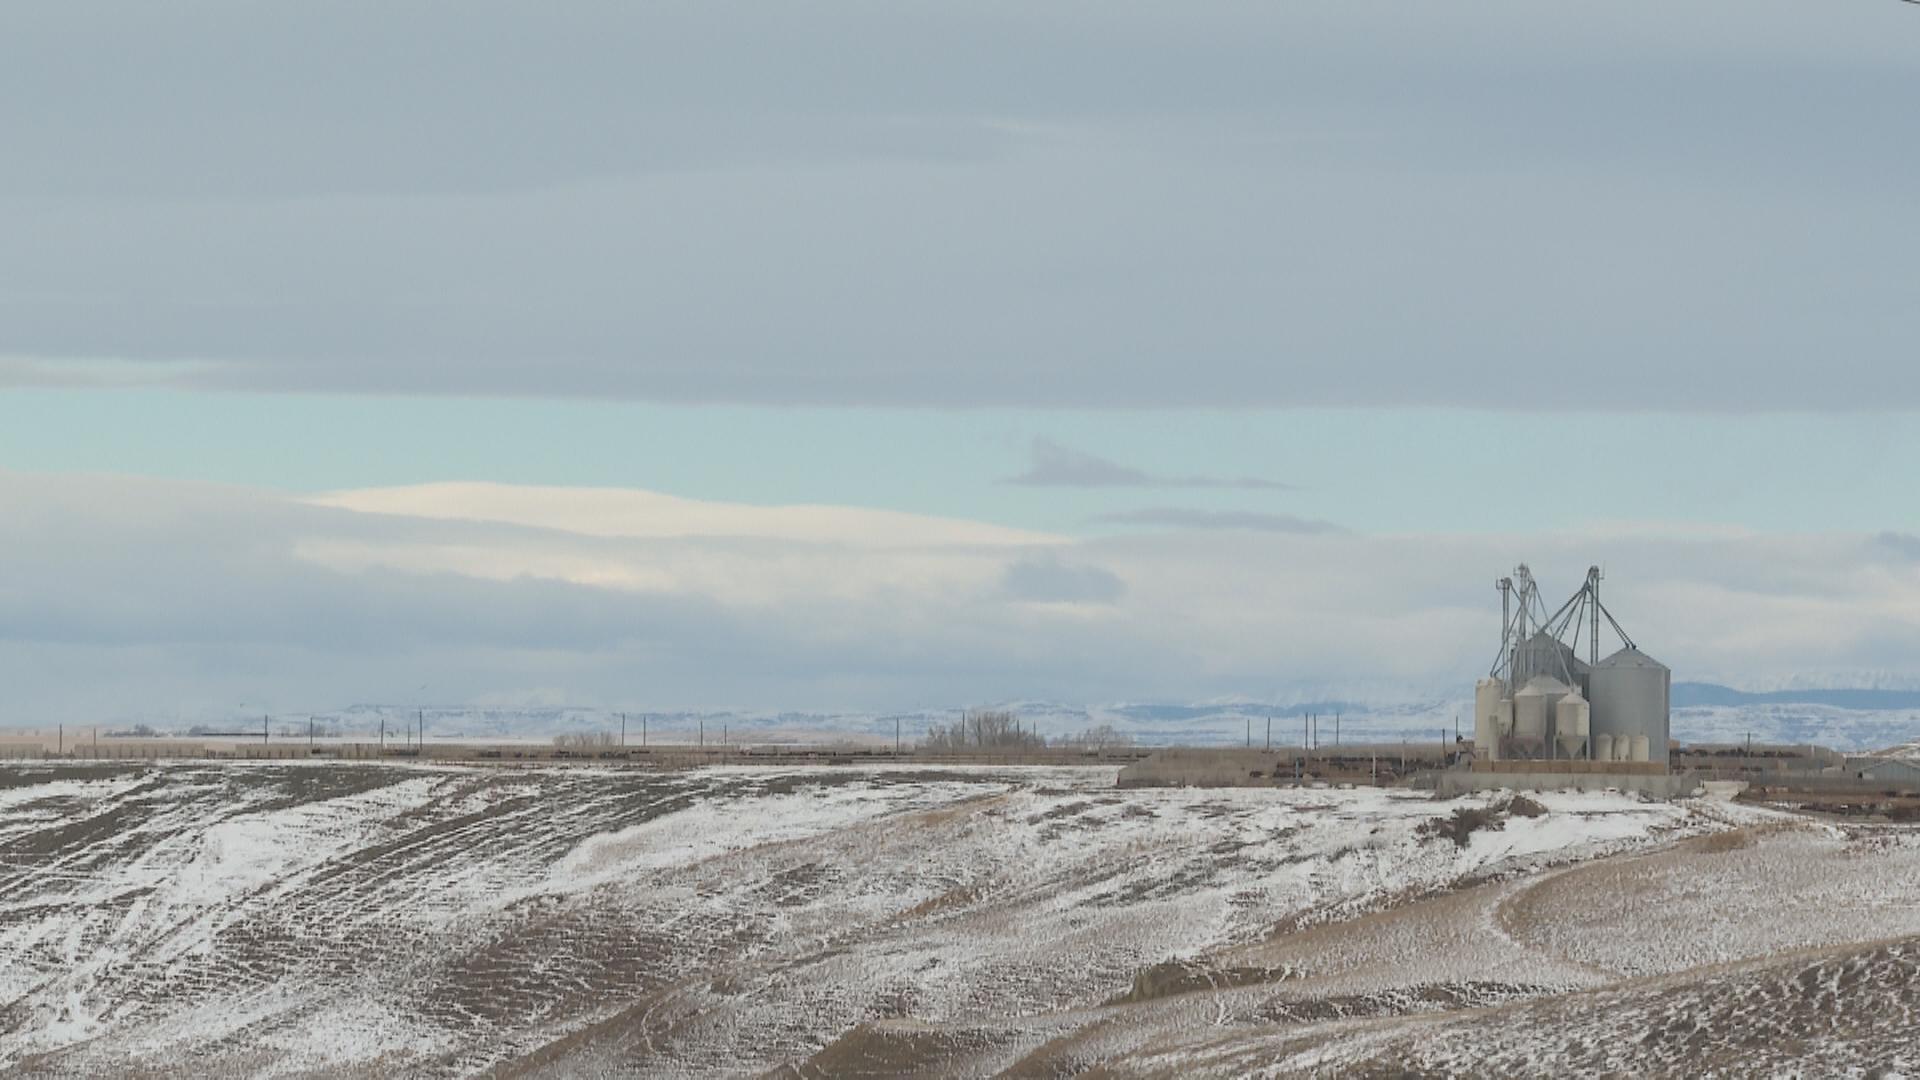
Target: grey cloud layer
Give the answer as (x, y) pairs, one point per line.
(1905, 545)
(1049, 579)
(1105, 205)
(1180, 517)
(1054, 465)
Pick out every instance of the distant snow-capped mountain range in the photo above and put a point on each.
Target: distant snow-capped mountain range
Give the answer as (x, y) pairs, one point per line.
(1845, 719)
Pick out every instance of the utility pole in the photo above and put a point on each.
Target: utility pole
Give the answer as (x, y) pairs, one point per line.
(1336, 729)
(703, 733)
(420, 718)
(623, 730)
(1249, 732)
(60, 741)
(263, 731)
(383, 733)
(1269, 744)
(896, 736)
(643, 730)
(309, 734)
(96, 743)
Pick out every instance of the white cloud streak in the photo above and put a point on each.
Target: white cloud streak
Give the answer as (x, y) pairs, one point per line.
(631, 514)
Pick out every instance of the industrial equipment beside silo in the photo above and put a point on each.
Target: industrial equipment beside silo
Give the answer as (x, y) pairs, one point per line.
(1541, 703)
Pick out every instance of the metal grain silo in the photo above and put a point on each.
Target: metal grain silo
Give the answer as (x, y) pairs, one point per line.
(1630, 693)
(1602, 746)
(1490, 709)
(1544, 654)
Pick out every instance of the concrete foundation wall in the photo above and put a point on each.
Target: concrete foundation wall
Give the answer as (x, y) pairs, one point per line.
(1601, 768)
(1656, 785)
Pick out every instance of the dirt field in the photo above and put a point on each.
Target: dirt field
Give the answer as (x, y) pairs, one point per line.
(378, 920)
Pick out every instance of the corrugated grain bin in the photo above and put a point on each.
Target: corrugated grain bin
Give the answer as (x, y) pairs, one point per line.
(1630, 696)
(1544, 655)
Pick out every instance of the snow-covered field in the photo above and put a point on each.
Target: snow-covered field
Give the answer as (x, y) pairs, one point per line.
(380, 920)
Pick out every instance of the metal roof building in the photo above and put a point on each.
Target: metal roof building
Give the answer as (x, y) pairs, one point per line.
(1892, 770)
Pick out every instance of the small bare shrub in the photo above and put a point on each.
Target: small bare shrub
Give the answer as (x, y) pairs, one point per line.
(1461, 826)
(1731, 840)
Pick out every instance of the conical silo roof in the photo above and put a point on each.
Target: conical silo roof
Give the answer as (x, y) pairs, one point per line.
(1630, 657)
(1544, 654)
(1544, 686)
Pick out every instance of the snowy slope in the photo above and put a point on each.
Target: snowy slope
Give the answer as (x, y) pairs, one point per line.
(276, 919)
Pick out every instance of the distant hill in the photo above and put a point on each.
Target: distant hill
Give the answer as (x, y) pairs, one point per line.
(1697, 695)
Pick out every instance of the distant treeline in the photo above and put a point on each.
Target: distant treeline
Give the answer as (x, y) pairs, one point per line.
(1000, 730)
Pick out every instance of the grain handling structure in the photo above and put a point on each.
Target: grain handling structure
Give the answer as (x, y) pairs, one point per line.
(1541, 702)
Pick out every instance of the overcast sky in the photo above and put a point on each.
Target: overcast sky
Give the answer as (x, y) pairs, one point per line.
(1135, 324)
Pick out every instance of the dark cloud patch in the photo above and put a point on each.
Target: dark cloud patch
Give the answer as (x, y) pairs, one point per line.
(1180, 517)
(1054, 465)
(1905, 545)
(1048, 579)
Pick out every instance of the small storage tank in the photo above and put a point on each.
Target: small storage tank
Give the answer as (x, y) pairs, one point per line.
(1602, 747)
(1641, 748)
(1487, 697)
(1533, 704)
(1571, 720)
